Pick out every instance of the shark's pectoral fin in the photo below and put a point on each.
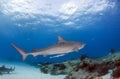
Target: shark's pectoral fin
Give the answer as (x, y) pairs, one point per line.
(75, 49)
(44, 55)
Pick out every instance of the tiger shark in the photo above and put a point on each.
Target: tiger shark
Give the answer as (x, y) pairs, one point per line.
(61, 48)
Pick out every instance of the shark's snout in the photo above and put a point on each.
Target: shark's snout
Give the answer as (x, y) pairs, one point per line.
(82, 45)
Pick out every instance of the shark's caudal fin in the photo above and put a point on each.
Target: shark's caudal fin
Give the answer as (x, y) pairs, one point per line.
(23, 53)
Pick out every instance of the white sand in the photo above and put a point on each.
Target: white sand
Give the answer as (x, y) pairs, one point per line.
(25, 71)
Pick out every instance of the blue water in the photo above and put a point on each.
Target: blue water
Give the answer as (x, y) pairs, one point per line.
(100, 33)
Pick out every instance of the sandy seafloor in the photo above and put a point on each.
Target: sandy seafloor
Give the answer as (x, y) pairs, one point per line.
(25, 71)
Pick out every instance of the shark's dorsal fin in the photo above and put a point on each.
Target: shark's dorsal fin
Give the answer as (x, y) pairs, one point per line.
(60, 39)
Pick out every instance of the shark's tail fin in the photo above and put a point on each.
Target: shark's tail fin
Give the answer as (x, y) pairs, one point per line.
(23, 53)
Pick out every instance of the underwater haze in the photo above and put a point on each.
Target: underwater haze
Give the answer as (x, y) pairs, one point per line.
(37, 24)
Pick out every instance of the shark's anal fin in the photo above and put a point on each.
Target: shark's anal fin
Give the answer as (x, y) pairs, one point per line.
(34, 55)
(60, 39)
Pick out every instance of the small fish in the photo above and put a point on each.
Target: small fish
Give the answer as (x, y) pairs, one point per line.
(61, 48)
(59, 55)
(3, 69)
